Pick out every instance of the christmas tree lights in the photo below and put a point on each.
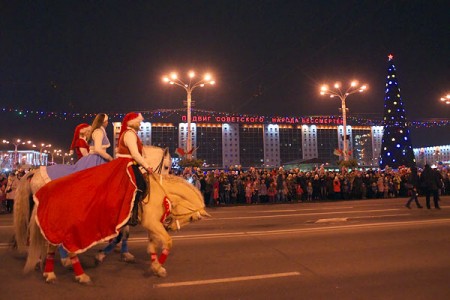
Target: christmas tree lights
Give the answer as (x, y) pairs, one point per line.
(396, 147)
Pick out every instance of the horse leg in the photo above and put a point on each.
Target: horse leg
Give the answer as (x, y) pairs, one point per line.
(80, 276)
(156, 263)
(125, 255)
(49, 268)
(101, 255)
(64, 255)
(155, 266)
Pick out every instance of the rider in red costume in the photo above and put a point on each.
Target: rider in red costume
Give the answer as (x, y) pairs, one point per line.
(90, 206)
(79, 143)
(129, 145)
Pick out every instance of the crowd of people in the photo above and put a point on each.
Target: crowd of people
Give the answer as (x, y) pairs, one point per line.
(238, 186)
(252, 186)
(8, 185)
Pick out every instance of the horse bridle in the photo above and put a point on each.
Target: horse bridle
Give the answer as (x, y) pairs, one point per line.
(158, 169)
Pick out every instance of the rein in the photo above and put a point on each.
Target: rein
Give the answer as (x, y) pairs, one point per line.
(158, 169)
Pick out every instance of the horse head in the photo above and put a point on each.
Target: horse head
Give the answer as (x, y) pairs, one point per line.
(187, 204)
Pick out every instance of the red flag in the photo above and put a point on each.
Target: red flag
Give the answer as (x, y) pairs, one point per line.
(192, 150)
(180, 152)
(338, 152)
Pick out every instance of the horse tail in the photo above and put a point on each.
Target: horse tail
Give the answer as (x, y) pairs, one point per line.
(22, 211)
(37, 249)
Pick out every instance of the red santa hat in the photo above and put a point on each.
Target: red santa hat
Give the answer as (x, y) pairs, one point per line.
(76, 134)
(128, 119)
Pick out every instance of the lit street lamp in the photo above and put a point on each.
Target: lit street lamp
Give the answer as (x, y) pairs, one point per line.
(43, 146)
(446, 99)
(52, 154)
(63, 155)
(342, 94)
(16, 144)
(189, 87)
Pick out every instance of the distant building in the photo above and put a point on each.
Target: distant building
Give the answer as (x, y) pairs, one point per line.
(224, 140)
(432, 155)
(25, 159)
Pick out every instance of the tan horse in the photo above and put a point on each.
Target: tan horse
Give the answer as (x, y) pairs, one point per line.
(187, 205)
(158, 158)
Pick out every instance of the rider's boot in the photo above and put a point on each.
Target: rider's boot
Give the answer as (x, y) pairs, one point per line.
(134, 218)
(133, 221)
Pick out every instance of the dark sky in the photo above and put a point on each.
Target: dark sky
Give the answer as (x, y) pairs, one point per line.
(268, 57)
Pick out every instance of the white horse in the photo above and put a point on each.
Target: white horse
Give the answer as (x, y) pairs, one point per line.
(158, 158)
(185, 205)
(185, 201)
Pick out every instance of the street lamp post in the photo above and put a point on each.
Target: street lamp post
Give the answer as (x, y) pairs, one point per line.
(342, 94)
(189, 87)
(55, 151)
(64, 157)
(446, 99)
(16, 144)
(43, 146)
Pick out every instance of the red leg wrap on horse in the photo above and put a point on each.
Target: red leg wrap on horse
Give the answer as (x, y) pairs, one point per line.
(153, 257)
(163, 257)
(77, 268)
(49, 263)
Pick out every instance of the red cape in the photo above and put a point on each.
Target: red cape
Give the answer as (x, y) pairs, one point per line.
(86, 207)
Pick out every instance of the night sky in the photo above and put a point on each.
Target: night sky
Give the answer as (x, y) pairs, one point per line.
(267, 57)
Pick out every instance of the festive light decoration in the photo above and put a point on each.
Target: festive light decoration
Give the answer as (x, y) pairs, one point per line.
(166, 114)
(396, 144)
(446, 99)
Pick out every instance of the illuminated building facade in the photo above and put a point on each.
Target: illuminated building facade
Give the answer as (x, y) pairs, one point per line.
(433, 155)
(226, 140)
(25, 159)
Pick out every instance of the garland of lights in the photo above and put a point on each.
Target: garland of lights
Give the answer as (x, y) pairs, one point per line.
(166, 113)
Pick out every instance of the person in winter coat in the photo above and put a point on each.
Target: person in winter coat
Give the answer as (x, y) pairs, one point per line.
(412, 186)
(429, 182)
(11, 188)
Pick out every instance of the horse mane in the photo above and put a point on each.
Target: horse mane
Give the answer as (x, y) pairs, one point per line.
(186, 199)
(160, 165)
(176, 180)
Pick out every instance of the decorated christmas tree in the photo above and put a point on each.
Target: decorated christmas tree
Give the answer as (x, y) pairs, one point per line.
(396, 148)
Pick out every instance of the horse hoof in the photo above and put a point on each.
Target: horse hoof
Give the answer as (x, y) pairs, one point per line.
(66, 262)
(160, 272)
(50, 277)
(127, 257)
(99, 257)
(83, 279)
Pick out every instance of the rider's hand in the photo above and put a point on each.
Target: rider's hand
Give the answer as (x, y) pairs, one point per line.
(150, 170)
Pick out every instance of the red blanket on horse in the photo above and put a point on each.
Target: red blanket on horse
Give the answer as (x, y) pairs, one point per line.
(87, 207)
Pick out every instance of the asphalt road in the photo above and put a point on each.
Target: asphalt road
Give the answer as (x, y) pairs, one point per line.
(372, 249)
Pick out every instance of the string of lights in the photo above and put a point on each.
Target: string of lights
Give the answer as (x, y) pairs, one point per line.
(169, 113)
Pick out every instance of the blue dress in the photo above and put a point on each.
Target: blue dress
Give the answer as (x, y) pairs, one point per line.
(88, 161)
